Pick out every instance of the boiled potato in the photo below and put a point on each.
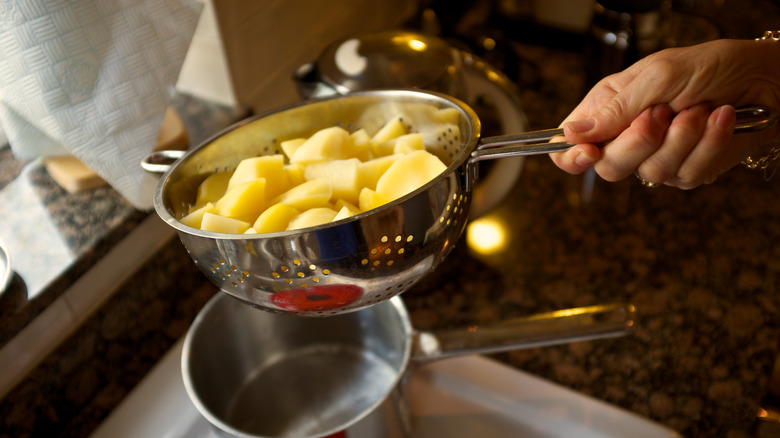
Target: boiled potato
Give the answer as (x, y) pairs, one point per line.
(409, 173)
(340, 203)
(343, 176)
(344, 213)
(270, 167)
(408, 143)
(290, 146)
(312, 218)
(329, 176)
(370, 171)
(220, 224)
(275, 218)
(195, 218)
(311, 194)
(244, 201)
(369, 199)
(361, 144)
(395, 127)
(447, 115)
(212, 188)
(326, 144)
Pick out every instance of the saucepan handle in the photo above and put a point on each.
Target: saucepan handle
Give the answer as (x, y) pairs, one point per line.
(540, 330)
(749, 119)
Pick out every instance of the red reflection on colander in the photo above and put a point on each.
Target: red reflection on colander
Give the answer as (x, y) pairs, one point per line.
(325, 297)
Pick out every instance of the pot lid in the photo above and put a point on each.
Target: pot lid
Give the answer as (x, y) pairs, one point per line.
(391, 59)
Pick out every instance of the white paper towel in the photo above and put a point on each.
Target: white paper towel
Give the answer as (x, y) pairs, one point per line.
(92, 78)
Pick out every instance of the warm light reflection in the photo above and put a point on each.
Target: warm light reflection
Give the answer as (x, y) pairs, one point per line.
(486, 235)
(411, 42)
(417, 45)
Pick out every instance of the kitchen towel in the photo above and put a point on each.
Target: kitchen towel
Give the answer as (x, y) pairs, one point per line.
(93, 79)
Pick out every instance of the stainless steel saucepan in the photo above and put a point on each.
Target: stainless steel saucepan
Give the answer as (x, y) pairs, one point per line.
(366, 259)
(257, 374)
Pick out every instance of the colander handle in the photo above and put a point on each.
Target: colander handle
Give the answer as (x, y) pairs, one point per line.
(749, 119)
(161, 161)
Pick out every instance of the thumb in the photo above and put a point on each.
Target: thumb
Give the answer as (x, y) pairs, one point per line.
(605, 124)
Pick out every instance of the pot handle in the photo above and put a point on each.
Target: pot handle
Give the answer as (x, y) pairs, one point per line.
(161, 161)
(540, 330)
(749, 119)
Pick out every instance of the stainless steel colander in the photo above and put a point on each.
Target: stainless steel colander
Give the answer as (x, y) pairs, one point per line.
(356, 262)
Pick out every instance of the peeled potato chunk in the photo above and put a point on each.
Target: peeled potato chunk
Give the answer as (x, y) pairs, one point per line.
(394, 127)
(343, 213)
(340, 203)
(370, 200)
(195, 218)
(312, 218)
(370, 171)
(408, 173)
(326, 144)
(343, 176)
(246, 200)
(290, 146)
(361, 144)
(311, 194)
(408, 143)
(270, 167)
(212, 188)
(220, 224)
(275, 218)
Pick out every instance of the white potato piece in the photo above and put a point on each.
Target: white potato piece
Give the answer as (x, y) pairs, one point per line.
(394, 127)
(244, 201)
(369, 200)
(343, 176)
(311, 194)
(343, 213)
(312, 218)
(294, 174)
(195, 217)
(360, 144)
(408, 173)
(275, 218)
(370, 171)
(340, 203)
(408, 143)
(326, 144)
(212, 188)
(270, 167)
(290, 146)
(220, 224)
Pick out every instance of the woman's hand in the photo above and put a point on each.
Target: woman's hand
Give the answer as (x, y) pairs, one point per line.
(670, 117)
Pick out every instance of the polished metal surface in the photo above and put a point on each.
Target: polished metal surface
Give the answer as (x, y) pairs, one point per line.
(389, 59)
(257, 374)
(6, 272)
(365, 259)
(349, 264)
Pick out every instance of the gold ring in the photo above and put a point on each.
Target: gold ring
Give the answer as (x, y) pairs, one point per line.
(647, 183)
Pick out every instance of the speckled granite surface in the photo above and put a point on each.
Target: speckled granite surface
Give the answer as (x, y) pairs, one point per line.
(700, 266)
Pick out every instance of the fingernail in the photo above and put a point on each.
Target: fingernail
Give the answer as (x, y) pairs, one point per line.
(580, 126)
(662, 113)
(724, 118)
(584, 160)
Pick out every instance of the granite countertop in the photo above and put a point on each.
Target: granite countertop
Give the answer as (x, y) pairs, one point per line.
(698, 265)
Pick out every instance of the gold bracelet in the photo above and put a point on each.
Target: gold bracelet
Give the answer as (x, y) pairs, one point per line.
(774, 152)
(770, 35)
